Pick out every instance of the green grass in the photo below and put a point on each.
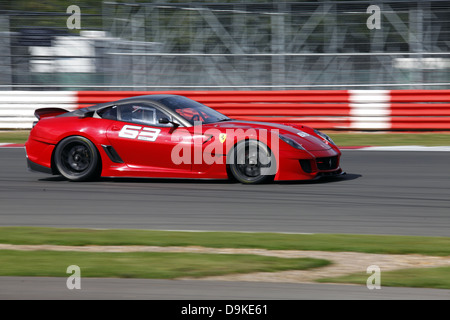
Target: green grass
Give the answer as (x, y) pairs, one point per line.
(163, 265)
(390, 139)
(14, 136)
(341, 139)
(437, 278)
(154, 265)
(437, 246)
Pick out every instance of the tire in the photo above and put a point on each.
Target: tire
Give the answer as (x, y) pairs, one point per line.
(77, 159)
(251, 162)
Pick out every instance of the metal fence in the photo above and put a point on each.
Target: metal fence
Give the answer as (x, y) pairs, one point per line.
(229, 45)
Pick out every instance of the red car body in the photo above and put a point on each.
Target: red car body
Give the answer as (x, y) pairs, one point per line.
(191, 141)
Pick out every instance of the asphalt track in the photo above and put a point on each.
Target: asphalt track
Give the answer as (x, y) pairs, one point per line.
(384, 192)
(14, 288)
(404, 193)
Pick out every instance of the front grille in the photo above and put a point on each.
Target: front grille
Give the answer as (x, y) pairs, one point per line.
(328, 163)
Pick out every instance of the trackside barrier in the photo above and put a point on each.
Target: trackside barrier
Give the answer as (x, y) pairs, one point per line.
(17, 107)
(420, 109)
(321, 109)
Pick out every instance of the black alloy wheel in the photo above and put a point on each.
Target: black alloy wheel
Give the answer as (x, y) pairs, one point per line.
(77, 159)
(252, 162)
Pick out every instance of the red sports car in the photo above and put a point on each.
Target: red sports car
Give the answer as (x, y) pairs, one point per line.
(172, 136)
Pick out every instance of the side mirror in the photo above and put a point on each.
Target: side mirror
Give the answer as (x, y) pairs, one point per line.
(164, 120)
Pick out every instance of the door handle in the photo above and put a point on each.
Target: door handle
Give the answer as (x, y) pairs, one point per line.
(115, 128)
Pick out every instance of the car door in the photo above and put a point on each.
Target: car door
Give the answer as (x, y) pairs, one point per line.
(141, 141)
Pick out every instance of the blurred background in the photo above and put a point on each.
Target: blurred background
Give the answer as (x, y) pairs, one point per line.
(224, 45)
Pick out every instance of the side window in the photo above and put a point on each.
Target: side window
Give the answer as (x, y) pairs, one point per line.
(141, 113)
(108, 113)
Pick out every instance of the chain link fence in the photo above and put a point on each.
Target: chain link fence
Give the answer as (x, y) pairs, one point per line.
(226, 45)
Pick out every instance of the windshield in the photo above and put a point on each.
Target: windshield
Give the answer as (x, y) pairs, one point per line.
(193, 111)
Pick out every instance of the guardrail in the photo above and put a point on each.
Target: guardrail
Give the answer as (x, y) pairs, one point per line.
(321, 109)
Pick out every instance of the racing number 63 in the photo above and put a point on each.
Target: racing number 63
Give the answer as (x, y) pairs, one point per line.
(141, 133)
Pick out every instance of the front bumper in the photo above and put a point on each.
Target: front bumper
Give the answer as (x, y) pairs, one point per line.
(308, 165)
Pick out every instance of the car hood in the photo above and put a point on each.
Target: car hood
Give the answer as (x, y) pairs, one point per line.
(307, 140)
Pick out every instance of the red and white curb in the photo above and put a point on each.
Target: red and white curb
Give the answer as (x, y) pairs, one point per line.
(11, 145)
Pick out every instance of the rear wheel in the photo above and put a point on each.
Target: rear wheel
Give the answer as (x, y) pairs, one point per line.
(252, 162)
(77, 159)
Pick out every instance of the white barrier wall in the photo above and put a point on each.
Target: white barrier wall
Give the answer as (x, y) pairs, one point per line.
(17, 107)
(370, 109)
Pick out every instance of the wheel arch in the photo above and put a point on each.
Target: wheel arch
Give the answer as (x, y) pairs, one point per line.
(245, 140)
(54, 168)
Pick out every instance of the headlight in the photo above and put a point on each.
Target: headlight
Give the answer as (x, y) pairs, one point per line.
(291, 142)
(324, 136)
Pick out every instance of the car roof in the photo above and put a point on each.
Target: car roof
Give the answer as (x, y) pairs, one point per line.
(149, 97)
(91, 110)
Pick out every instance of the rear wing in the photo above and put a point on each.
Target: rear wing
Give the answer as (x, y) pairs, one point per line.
(48, 112)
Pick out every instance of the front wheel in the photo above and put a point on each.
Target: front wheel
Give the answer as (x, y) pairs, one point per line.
(252, 162)
(77, 159)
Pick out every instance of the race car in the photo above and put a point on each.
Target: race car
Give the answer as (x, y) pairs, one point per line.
(172, 136)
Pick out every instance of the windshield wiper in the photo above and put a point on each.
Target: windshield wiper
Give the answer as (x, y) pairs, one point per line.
(224, 119)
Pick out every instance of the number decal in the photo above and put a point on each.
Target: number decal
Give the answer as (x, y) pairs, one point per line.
(149, 134)
(141, 133)
(130, 132)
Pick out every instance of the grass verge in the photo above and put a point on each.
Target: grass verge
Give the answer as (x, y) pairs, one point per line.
(14, 136)
(151, 265)
(390, 139)
(165, 265)
(437, 246)
(437, 278)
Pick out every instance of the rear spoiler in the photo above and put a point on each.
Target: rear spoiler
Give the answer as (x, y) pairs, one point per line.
(48, 112)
